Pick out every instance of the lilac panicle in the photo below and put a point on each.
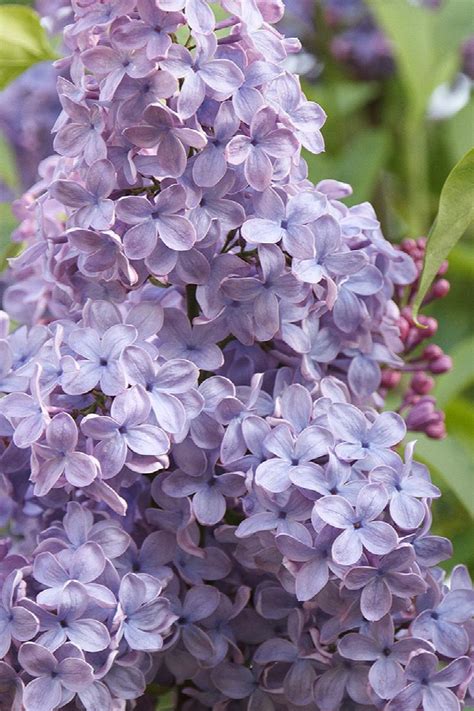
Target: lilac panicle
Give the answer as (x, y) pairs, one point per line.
(200, 489)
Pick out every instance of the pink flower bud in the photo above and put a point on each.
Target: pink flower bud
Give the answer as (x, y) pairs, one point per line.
(432, 352)
(422, 383)
(441, 288)
(441, 365)
(390, 379)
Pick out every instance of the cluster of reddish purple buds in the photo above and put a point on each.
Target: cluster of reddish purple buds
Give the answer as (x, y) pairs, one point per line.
(422, 361)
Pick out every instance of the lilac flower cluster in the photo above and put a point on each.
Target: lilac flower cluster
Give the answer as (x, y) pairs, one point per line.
(199, 489)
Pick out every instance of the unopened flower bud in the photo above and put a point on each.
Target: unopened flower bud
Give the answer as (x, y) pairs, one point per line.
(422, 383)
(441, 365)
(432, 352)
(390, 379)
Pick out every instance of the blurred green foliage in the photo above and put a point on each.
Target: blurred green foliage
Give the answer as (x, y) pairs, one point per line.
(23, 41)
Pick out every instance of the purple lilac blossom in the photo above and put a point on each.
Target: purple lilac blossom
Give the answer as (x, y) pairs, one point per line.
(200, 489)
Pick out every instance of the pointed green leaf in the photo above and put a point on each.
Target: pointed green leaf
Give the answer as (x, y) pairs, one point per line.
(460, 377)
(23, 42)
(455, 214)
(453, 462)
(425, 43)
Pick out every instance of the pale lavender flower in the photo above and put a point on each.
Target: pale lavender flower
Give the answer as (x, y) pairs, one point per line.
(92, 206)
(210, 165)
(343, 676)
(151, 559)
(111, 64)
(101, 360)
(70, 622)
(443, 623)
(275, 221)
(160, 219)
(349, 310)
(135, 95)
(312, 559)
(196, 343)
(233, 411)
(329, 258)
(29, 413)
(361, 530)
(9, 382)
(293, 457)
(209, 490)
(386, 674)
(205, 431)
(165, 132)
(212, 204)
(82, 135)
(266, 141)
(12, 687)
(201, 74)
(57, 677)
(199, 603)
(305, 118)
(126, 429)
(59, 457)
(429, 688)
(294, 655)
(282, 513)
(276, 284)
(248, 98)
(406, 483)
(152, 31)
(146, 615)
(84, 565)
(15, 622)
(364, 440)
(78, 527)
(239, 682)
(167, 386)
(390, 575)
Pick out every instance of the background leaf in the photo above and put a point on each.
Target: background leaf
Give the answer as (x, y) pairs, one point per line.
(425, 43)
(8, 169)
(460, 377)
(7, 224)
(451, 460)
(23, 42)
(455, 214)
(359, 163)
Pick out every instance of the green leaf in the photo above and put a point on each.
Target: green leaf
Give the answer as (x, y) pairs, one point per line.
(359, 163)
(461, 265)
(167, 702)
(411, 29)
(340, 98)
(23, 42)
(455, 214)
(460, 377)
(453, 463)
(8, 169)
(459, 132)
(7, 225)
(425, 43)
(460, 421)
